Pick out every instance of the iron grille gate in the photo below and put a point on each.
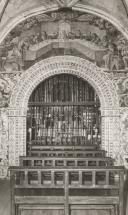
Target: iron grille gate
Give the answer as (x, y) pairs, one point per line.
(63, 110)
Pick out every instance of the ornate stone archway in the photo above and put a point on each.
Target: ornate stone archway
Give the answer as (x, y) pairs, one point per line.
(56, 65)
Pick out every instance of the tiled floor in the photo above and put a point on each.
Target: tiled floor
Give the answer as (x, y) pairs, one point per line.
(5, 197)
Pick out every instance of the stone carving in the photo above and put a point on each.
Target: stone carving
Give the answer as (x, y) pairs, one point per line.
(4, 93)
(122, 89)
(64, 33)
(69, 64)
(11, 78)
(49, 67)
(3, 136)
(124, 133)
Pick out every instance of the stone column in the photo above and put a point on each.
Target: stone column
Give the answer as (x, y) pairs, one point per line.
(111, 134)
(124, 133)
(17, 135)
(3, 142)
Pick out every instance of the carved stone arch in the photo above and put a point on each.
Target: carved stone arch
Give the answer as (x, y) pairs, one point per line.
(66, 64)
(56, 65)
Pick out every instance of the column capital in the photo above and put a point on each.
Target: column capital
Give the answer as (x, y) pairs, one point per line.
(110, 112)
(17, 112)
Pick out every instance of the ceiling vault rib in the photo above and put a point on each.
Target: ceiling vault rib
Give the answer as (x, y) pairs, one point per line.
(60, 3)
(125, 6)
(3, 10)
(73, 2)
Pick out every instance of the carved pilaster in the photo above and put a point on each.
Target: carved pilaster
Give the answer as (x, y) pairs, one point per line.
(111, 133)
(17, 135)
(3, 142)
(124, 134)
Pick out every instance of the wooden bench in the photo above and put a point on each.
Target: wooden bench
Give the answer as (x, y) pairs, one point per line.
(39, 147)
(67, 186)
(66, 161)
(68, 153)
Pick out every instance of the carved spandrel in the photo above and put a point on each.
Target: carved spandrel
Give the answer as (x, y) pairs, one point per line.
(122, 89)
(4, 93)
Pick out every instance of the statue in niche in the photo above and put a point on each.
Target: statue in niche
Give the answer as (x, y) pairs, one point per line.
(11, 58)
(4, 93)
(111, 59)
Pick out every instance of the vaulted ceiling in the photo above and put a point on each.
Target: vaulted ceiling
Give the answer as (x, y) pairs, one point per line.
(117, 9)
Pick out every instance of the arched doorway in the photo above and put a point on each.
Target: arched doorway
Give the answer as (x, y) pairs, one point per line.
(100, 81)
(63, 110)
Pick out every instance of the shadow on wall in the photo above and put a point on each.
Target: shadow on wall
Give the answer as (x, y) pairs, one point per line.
(126, 194)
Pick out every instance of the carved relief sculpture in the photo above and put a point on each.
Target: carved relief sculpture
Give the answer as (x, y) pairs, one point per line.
(41, 36)
(4, 93)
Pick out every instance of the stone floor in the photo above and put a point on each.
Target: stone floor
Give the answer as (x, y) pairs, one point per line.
(5, 197)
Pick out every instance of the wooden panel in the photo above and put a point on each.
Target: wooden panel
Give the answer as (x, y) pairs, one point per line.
(91, 212)
(41, 209)
(41, 212)
(93, 200)
(41, 200)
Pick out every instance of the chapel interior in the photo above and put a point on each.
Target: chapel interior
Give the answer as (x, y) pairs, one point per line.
(64, 107)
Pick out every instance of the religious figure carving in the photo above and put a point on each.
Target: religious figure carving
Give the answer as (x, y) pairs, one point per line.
(123, 92)
(37, 36)
(64, 28)
(4, 93)
(110, 59)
